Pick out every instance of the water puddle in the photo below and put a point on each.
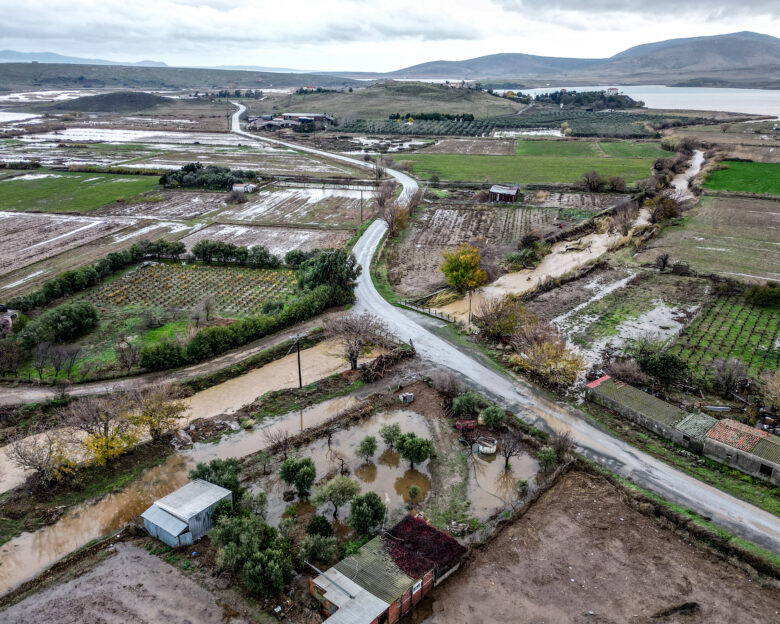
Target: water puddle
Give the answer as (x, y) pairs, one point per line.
(491, 487)
(30, 553)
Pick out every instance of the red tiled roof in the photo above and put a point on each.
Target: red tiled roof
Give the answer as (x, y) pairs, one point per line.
(598, 382)
(736, 434)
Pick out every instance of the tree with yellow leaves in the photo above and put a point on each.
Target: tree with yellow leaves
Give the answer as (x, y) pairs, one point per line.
(157, 410)
(463, 270)
(106, 423)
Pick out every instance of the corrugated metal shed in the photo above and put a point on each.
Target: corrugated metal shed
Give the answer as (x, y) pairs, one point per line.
(191, 499)
(363, 608)
(373, 569)
(768, 448)
(164, 520)
(505, 189)
(696, 425)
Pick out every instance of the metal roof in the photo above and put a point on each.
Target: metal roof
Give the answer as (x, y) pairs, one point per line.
(362, 608)
(161, 518)
(696, 425)
(505, 189)
(768, 448)
(372, 568)
(189, 500)
(642, 402)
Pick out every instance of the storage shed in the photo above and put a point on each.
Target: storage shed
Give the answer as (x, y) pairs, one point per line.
(504, 193)
(185, 515)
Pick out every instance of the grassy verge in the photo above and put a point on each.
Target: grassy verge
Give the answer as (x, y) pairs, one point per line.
(760, 493)
(746, 176)
(26, 512)
(278, 402)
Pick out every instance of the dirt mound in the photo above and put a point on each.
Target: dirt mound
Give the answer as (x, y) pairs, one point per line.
(120, 102)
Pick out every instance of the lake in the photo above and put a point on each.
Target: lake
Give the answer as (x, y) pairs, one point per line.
(756, 101)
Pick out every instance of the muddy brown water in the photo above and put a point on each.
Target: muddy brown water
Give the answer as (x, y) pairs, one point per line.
(491, 487)
(29, 554)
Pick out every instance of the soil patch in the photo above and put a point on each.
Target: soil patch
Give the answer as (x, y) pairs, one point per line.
(581, 554)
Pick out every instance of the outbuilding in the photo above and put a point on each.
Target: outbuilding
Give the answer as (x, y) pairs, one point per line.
(245, 188)
(184, 516)
(504, 193)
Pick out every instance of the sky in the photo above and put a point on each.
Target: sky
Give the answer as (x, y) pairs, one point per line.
(362, 35)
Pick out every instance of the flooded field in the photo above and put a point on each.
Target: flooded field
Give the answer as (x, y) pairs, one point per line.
(178, 205)
(278, 240)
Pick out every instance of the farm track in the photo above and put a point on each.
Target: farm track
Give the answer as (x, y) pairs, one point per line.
(536, 407)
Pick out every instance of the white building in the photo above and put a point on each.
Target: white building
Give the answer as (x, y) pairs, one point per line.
(185, 515)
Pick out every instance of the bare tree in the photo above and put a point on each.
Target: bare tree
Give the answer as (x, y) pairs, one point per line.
(728, 374)
(562, 444)
(208, 304)
(127, 354)
(278, 441)
(196, 314)
(379, 170)
(106, 423)
(11, 356)
(414, 201)
(356, 331)
(72, 353)
(624, 217)
(509, 446)
(40, 359)
(44, 453)
(57, 359)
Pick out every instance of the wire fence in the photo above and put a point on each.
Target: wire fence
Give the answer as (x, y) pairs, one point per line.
(449, 318)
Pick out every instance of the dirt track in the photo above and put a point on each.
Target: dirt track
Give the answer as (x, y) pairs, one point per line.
(132, 586)
(580, 550)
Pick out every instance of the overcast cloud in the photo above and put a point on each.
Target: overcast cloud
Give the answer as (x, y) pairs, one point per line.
(362, 35)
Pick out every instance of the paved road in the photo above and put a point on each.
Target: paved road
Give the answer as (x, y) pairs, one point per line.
(537, 408)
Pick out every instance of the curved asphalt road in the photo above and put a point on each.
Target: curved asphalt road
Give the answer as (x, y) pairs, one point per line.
(535, 407)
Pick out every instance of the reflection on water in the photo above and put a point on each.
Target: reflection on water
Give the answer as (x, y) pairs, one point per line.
(27, 555)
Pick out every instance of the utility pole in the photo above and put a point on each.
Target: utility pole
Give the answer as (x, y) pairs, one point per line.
(361, 206)
(297, 345)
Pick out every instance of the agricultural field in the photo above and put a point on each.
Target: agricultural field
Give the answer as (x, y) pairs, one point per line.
(609, 308)
(278, 240)
(415, 266)
(334, 207)
(496, 147)
(29, 238)
(746, 177)
(732, 327)
(57, 153)
(47, 191)
(237, 291)
(731, 236)
(528, 169)
(176, 205)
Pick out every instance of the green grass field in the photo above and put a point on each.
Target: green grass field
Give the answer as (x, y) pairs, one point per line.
(577, 149)
(630, 149)
(57, 191)
(747, 177)
(528, 169)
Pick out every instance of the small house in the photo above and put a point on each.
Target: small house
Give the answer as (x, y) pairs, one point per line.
(751, 450)
(7, 320)
(245, 188)
(612, 91)
(184, 516)
(508, 193)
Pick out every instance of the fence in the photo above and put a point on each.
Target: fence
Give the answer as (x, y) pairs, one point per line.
(449, 318)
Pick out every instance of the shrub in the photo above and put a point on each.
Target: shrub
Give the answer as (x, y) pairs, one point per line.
(318, 548)
(413, 449)
(367, 447)
(222, 472)
(498, 317)
(466, 403)
(319, 525)
(493, 417)
(445, 382)
(367, 512)
(299, 473)
(162, 355)
(766, 295)
(64, 322)
(334, 268)
(390, 433)
(664, 366)
(547, 458)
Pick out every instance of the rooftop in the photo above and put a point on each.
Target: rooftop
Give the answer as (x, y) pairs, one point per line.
(359, 608)
(505, 189)
(642, 402)
(164, 520)
(413, 540)
(768, 448)
(696, 425)
(736, 434)
(189, 500)
(372, 568)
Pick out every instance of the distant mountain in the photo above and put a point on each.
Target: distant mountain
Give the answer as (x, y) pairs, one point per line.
(12, 56)
(736, 59)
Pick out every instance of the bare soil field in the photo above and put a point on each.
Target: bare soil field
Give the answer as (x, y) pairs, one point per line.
(176, 205)
(440, 229)
(756, 153)
(131, 586)
(28, 238)
(582, 555)
(573, 201)
(731, 236)
(278, 240)
(473, 146)
(54, 153)
(304, 206)
(60, 259)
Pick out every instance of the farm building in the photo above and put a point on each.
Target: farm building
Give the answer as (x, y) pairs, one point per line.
(388, 575)
(7, 320)
(245, 188)
(261, 123)
(745, 448)
(504, 193)
(184, 516)
(315, 117)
